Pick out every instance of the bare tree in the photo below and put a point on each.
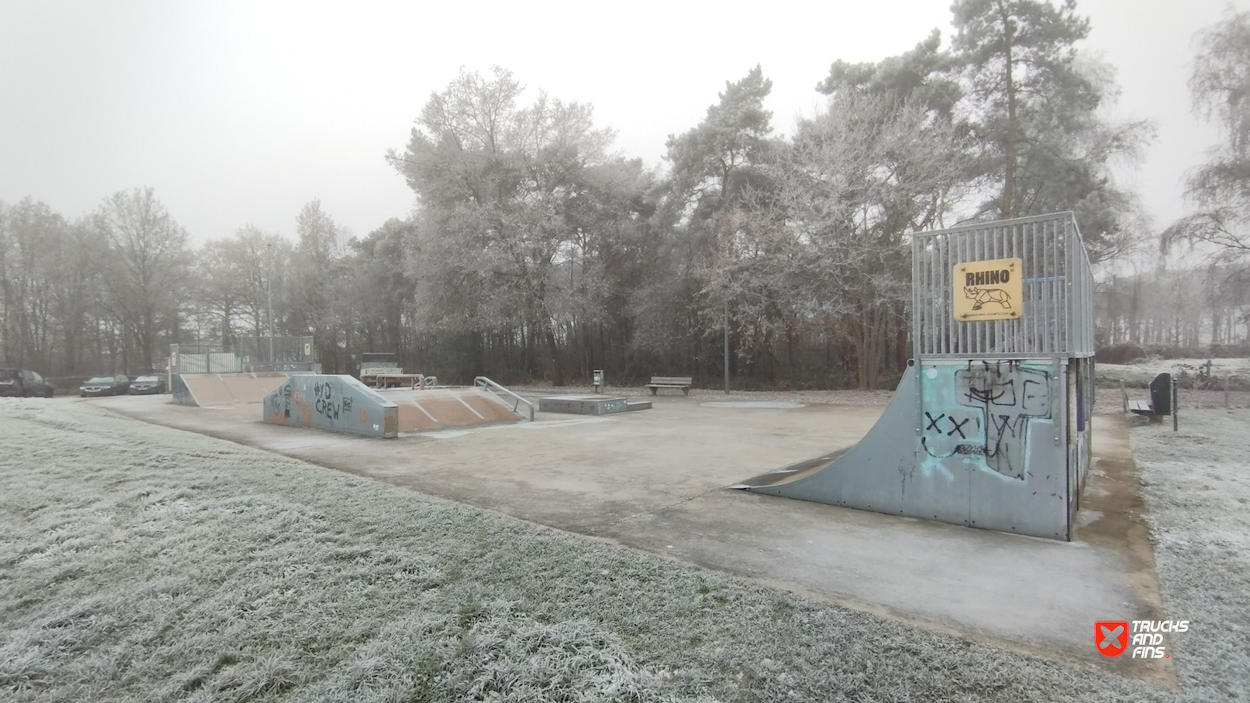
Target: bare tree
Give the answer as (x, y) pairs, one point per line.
(314, 282)
(147, 269)
(30, 238)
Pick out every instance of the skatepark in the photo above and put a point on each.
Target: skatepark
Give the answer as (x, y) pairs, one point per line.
(984, 500)
(660, 481)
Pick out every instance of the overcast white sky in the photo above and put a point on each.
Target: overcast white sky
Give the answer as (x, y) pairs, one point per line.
(241, 112)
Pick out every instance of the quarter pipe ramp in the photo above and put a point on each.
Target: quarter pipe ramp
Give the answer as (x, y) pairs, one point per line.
(218, 389)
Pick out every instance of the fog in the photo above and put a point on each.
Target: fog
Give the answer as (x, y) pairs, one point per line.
(240, 112)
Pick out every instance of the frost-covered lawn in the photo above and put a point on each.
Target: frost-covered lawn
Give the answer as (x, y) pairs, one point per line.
(1138, 375)
(1197, 486)
(143, 563)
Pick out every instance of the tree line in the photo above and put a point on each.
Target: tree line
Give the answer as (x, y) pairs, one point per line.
(537, 252)
(1192, 308)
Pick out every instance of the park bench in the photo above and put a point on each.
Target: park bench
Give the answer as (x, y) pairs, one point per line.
(1160, 401)
(682, 382)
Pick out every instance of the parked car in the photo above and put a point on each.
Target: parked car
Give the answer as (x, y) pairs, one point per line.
(21, 383)
(105, 385)
(147, 385)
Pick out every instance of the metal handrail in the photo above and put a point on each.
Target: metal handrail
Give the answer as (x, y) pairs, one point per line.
(486, 384)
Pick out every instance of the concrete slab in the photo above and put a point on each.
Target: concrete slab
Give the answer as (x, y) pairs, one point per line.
(583, 404)
(658, 481)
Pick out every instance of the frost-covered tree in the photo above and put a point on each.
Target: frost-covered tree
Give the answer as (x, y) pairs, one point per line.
(314, 283)
(233, 276)
(716, 176)
(509, 195)
(1220, 188)
(860, 178)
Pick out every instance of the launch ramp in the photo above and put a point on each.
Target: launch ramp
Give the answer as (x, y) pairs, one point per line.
(989, 426)
(450, 408)
(217, 389)
(331, 402)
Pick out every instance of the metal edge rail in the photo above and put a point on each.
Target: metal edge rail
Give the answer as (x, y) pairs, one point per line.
(486, 384)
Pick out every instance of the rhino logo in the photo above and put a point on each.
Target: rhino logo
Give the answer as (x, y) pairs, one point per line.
(987, 295)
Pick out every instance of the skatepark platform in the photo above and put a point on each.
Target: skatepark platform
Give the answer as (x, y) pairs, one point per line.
(590, 404)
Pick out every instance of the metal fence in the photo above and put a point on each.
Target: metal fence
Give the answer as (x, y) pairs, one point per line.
(245, 354)
(1056, 317)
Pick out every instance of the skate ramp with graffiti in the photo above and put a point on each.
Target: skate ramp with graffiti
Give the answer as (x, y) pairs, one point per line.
(344, 404)
(218, 389)
(980, 452)
(331, 402)
(990, 424)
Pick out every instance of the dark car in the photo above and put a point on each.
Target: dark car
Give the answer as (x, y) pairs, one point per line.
(147, 385)
(21, 383)
(105, 385)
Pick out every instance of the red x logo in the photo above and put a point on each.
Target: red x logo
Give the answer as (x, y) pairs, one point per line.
(1111, 637)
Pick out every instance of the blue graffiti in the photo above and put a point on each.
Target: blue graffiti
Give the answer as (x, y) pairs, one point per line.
(987, 419)
(1007, 395)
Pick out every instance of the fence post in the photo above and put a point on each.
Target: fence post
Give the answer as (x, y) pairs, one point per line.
(1176, 406)
(1123, 397)
(1225, 391)
(170, 367)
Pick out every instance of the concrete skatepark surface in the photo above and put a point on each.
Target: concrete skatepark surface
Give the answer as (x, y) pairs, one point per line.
(658, 481)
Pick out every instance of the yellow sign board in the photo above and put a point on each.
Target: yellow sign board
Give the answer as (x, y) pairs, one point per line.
(988, 290)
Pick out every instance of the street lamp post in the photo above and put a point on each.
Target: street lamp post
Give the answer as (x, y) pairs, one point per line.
(726, 343)
(269, 289)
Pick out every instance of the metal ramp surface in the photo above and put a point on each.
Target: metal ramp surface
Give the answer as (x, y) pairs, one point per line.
(993, 466)
(218, 389)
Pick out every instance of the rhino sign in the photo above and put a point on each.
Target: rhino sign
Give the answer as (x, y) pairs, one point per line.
(981, 296)
(987, 290)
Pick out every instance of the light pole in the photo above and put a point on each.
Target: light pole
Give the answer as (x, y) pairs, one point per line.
(726, 343)
(269, 289)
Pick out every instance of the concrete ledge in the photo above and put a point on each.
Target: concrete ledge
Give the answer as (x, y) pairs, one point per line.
(582, 405)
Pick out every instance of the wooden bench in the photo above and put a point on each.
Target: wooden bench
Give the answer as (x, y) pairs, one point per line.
(682, 382)
(1160, 401)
